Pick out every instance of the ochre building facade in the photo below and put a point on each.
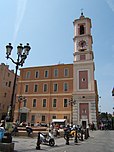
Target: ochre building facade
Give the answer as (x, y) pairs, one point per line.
(47, 91)
(6, 87)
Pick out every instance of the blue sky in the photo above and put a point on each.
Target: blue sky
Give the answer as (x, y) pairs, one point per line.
(48, 26)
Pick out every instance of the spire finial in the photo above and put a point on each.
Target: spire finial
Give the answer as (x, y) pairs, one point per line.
(82, 12)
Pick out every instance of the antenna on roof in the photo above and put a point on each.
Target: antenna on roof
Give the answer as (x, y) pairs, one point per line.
(82, 11)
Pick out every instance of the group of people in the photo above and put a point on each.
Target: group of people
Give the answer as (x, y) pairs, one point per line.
(14, 129)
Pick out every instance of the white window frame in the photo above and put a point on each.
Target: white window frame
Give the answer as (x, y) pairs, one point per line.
(65, 86)
(55, 72)
(66, 69)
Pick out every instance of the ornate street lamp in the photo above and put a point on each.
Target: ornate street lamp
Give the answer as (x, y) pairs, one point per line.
(22, 53)
(71, 103)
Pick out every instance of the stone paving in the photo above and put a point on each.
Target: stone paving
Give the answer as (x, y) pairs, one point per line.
(99, 141)
(23, 144)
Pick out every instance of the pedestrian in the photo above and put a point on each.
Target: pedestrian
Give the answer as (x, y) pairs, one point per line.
(15, 129)
(92, 126)
(29, 130)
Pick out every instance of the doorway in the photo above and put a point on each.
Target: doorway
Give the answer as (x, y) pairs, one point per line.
(23, 117)
(84, 124)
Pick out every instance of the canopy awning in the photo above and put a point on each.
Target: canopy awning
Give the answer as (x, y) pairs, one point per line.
(58, 120)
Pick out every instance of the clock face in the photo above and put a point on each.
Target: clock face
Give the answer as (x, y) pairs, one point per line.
(82, 43)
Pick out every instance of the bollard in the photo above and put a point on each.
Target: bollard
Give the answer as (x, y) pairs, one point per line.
(82, 135)
(67, 138)
(85, 133)
(76, 137)
(88, 132)
(38, 142)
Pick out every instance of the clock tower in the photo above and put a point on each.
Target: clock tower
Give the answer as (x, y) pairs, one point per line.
(84, 85)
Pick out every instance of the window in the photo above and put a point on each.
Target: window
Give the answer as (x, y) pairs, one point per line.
(65, 117)
(33, 118)
(9, 84)
(27, 74)
(35, 88)
(26, 88)
(46, 74)
(66, 72)
(34, 103)
(5, 94)
(65, 86)
(45, 87)
(54, 117)
(55, 87)
(37, 74)
(82, 29)
(43, 118)
(44, 102)
(54, 103)
(25, 103)
(55, 72)
(65, 102)
(8, 74)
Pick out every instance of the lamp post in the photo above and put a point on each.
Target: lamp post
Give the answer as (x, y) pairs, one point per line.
(22, 53)
(113, 91)
(71, 103)
(20, 100)
(99, 103)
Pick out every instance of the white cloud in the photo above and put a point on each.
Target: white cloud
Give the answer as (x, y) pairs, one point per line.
(21, 8)
(111, 4)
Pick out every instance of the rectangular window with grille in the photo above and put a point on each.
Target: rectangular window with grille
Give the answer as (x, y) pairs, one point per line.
(33, 118)
(43, 118)
(55, 87)
(44, 102)
(25, 103)
(27, 74)
(65, 102)
(54, 103)
(66, 72)
(26, 87)
(45, 88)
(34, 103)
(35, 88)
(55, 72)
(65, 86)
(54, 117)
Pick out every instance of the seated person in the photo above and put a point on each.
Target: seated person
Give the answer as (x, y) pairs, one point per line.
(29, 130)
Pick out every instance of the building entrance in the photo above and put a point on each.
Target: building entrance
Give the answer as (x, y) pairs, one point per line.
(84, 124)
(23, 117)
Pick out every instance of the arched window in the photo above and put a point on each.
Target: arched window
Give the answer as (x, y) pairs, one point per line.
(82, 29)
